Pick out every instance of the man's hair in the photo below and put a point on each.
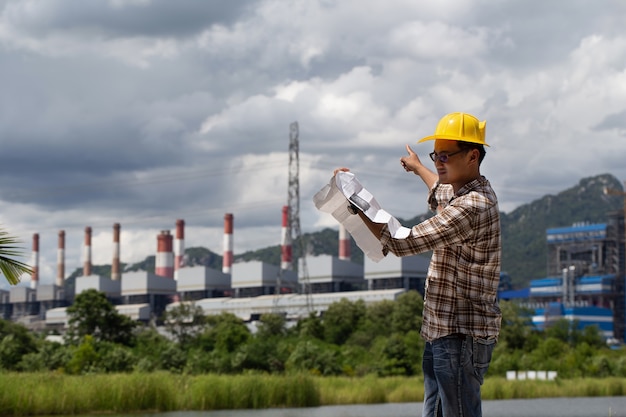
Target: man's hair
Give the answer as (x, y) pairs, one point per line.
(468, 146)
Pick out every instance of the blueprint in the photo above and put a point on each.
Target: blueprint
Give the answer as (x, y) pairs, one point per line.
(345, 189)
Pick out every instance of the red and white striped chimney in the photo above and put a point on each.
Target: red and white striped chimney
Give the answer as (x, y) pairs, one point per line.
(87, 253)
(165, 257)
(344, 243)
(285, 243)
(179, 247)
(115, 265)
(227, 261)
(61, 259)
(34, 278)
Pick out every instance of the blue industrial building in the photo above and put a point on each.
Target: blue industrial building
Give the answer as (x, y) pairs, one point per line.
(585, 282)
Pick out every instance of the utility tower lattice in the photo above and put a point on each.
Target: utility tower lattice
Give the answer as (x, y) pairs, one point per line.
(294, 213)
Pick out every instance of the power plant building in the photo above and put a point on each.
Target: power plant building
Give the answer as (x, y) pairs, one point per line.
(141, 287)
(198, 282)
(332, 274)
(407, 272)
(585, 282)
(111, 288)
(254, 278)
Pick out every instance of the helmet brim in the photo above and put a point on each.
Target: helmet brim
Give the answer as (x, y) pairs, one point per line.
(435, 137)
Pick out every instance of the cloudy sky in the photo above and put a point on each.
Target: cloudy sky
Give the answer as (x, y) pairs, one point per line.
(146, 111)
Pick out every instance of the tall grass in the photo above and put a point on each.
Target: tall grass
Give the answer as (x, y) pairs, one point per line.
(49, 394)
(369, 390)
(500, 388)
(53, 393)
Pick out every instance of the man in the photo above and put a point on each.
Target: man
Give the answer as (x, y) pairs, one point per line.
(462, 318)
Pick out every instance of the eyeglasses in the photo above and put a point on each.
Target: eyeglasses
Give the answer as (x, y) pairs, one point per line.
(442, 157)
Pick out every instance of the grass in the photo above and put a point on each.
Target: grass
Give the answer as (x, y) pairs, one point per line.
(51, 394)
(500, 389)
(58, 394)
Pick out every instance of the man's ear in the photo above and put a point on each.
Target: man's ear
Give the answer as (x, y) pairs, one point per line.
(474, 155)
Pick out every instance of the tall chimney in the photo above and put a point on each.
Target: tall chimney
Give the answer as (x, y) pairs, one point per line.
(285, 242)
(344, 243)
(227, 261)
(165, 257)
(87, 253)
(115, 265)
(34, 278)
(61, 259)
(179, 247)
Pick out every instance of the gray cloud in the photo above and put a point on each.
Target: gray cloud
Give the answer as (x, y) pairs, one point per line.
(613, 122)
(144, 111)
(120, 18)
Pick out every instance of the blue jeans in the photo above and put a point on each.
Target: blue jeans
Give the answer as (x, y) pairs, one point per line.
(454, 369)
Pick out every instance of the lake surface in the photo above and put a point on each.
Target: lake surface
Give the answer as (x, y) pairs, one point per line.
(545, 407)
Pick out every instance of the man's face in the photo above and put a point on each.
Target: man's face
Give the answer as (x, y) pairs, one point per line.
(456, 169)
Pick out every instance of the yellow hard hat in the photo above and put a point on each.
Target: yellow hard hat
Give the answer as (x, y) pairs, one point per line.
(459, 126)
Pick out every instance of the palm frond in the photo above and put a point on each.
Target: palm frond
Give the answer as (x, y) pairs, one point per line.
(12, 269)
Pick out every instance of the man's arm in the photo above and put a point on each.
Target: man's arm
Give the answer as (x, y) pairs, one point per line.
(375, 228)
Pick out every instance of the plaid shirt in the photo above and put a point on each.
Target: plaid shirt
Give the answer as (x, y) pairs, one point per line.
(464, 271)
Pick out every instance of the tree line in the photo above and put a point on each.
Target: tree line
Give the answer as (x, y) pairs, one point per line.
(351, 338)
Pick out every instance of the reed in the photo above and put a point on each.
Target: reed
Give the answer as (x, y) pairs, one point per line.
(23, 394)
(53, 394)
(500, 388)
(369, 390)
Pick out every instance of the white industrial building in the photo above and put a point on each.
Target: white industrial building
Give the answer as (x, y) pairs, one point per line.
(332, 274)
(408, 272)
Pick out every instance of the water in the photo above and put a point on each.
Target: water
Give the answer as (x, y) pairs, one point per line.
(545, 407)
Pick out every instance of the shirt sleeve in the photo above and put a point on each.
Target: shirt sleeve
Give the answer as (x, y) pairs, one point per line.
(451, 225)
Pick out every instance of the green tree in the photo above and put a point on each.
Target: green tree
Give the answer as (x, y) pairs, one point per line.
(226, 332)
(342, 319)
(149, 347)
(115, 358)
(397, 360)
(185, 323)
(262, 354)
(316, 357)
(272, 325)
(49, 356)
(11, 268)
(592, 335)
(84, 358)
(310, 327)
(92, 314)
(268, 349)
(560, 329)
(407, 312)
(517, 327)
(15, 342)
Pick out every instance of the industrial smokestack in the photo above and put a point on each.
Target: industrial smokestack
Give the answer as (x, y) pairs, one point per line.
(227, 261)
(286, 251)
(164, 257)
(61, 259)
(34, 278)
(115, 265)
(87, 253)
(179, 247)
(344, 243)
